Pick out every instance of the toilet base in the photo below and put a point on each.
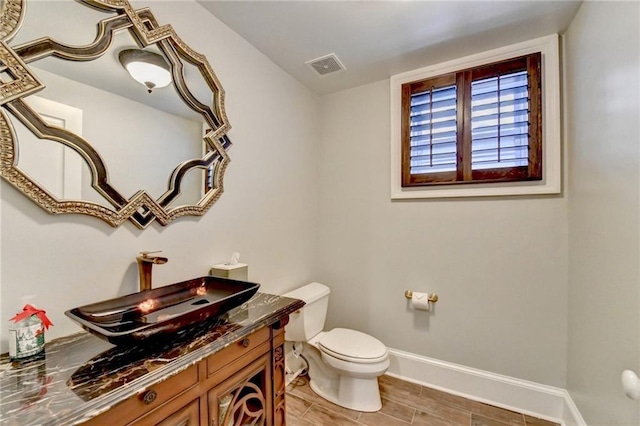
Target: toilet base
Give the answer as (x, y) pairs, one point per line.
(352, 393)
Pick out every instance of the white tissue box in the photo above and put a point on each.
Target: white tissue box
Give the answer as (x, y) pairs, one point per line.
(239, 271)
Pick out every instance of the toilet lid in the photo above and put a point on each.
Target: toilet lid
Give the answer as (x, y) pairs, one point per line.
(351, 344)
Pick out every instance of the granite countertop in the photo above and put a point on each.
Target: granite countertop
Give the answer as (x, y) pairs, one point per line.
(81, 376)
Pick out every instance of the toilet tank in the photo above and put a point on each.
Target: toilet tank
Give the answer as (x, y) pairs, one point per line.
(308, 321)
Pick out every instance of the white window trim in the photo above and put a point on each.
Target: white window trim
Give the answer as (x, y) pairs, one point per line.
(551, 142)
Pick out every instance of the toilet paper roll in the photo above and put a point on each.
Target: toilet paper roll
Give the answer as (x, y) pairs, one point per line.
(420, 301)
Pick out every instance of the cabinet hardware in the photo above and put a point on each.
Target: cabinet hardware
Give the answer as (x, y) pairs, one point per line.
(245, 343)
(149, 397)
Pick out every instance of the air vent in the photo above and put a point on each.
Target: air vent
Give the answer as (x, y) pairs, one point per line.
(326, 65)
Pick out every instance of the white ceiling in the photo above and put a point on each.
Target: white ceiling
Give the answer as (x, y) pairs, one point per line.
(376, 39)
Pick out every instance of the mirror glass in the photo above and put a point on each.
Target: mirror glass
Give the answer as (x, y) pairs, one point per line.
(140, 137)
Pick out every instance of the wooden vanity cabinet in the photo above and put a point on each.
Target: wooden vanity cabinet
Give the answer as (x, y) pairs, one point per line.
(240, 384)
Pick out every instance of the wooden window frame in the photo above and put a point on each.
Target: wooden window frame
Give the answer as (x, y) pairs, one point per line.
(464, 174)
(551, 182)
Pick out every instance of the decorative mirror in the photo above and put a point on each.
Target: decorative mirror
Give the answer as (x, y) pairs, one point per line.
(62, 142)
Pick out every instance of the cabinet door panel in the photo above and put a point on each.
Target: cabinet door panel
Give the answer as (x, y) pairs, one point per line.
(243, 398)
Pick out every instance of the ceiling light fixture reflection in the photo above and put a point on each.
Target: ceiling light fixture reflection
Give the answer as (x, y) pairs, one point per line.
(147, 68)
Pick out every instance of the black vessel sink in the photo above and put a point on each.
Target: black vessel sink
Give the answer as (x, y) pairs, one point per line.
(163, 310)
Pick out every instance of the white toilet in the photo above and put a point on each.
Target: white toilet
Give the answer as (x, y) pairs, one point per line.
(344, 364)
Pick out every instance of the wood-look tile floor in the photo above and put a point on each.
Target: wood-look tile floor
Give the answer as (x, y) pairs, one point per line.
(403, 403)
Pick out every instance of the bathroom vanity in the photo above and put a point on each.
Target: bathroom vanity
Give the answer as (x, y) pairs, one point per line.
(223, 371)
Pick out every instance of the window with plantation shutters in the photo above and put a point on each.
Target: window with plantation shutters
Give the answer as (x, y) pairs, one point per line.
(475, 125)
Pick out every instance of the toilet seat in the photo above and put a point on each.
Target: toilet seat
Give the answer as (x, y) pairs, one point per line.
(352, 346)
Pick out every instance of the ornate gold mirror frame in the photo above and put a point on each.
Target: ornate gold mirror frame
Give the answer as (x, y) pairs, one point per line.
(19, 81)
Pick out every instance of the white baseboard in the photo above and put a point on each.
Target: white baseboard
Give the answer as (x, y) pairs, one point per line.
(570, 414)
(542, 401)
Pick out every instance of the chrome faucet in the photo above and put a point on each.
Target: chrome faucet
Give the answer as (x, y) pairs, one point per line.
(145, 263)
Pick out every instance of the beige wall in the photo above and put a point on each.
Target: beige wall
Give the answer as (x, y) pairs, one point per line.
(499, 265)
(267, 213)
(602, 93)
